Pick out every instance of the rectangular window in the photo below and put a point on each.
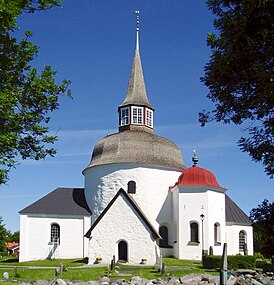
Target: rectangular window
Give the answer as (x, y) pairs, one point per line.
(137, 115)
(194, 232)
(124, 116)
(149, 118)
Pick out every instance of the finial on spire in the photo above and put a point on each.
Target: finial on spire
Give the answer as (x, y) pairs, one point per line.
(195, 158)
(137, 12)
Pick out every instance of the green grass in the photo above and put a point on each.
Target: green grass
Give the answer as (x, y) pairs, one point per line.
(29, 274)
(174, 262)
(76, 273)
(148, 272)
(84, 274)
(174, 267)
(35, 274)
(45, 263)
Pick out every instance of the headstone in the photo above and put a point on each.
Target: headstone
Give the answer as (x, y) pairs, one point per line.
(223, 271)
(163, 268)
(6, 275)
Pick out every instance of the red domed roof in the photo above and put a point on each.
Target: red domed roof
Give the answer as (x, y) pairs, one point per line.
(197, 176)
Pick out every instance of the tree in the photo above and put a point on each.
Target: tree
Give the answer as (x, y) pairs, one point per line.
(3, 236)
(240, 74)
(14, 237)
(27, 97)
(262, 219)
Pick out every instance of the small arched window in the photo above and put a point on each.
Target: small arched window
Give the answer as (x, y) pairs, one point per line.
(194, 232)
(55, 233)
(242, 241)
(217, 234)
(163, 231)
(131, 187)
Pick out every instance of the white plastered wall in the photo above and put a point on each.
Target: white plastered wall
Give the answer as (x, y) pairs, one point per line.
(166, 218)
(122, 222)
(232, 236)
(216, 214)
(35, 236)
(191, 203)
(152, 184)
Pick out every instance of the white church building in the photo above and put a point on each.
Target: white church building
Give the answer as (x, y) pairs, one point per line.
(139, 200)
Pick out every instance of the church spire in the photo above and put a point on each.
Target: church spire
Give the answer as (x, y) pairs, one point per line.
(136, 111)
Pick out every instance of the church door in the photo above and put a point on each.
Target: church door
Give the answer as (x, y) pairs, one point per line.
(122, 251)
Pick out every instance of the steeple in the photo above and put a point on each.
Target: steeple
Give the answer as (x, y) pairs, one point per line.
(136, 111)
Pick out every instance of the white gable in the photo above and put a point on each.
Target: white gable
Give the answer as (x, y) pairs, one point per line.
(122, 222)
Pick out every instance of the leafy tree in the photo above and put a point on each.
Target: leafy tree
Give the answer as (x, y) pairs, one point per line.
(3, 236)
(15, 237)
(27, 97)
(240, 74)
(262, 219)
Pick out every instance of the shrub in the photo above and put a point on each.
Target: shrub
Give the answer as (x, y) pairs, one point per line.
(259, 256)
(212, 261)
(233, 262)
(241, 261)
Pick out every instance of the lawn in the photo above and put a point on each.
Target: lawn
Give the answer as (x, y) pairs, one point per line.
(72, 271)
(75, 273)
(8, 261)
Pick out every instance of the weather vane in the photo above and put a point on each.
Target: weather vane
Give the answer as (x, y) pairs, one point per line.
(137, 12)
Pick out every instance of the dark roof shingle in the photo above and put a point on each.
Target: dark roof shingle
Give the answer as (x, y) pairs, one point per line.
(234, 214)
(66, 201)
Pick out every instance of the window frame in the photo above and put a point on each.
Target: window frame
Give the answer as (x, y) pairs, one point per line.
(124, 119)
(55, 233)
(163, 232)
(242, 240)
(131, 187)
(138, 118)
(217, 234)
(194, 233)
(149, 118)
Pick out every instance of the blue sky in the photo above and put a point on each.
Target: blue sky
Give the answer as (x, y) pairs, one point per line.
(91, 42)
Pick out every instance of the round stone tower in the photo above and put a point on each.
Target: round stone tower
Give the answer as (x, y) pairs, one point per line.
(135, 159)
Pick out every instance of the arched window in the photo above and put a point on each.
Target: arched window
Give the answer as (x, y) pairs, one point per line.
(242, 241)
(194, 232)
(163, 231)
(217, 234)
(55, 233)
(131, 187)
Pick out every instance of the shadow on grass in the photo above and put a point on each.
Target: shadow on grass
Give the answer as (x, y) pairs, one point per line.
(10, 260)
(84, 260)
